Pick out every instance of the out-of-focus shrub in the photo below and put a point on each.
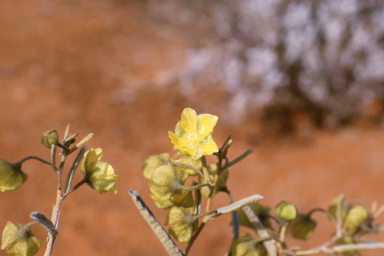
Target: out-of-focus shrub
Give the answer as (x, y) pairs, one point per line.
(287, 58)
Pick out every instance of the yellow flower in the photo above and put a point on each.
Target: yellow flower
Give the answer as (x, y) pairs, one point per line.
(99, 175)
(193, 134)
(19, 240)
(11, 176)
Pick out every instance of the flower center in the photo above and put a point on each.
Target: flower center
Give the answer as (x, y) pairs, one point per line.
(193, 137)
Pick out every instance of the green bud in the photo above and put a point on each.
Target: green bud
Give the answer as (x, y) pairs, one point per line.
(11, 176)
(98, 175)
(19, 240)
(347, 240)
(152, 162)
(260, 211)
(246, 246)
(165, 180)
(184, 199)
(49, 138)
(302, 227)
(332, 209)
(356, 216)
(196, 163)
(286, 211)
(221, 182)
(183, 223)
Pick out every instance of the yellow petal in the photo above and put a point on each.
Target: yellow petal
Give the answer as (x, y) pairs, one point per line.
(174, 138)
(191, 151)
(209, 148)
(207, 121)
(95, 155)
(188, 120)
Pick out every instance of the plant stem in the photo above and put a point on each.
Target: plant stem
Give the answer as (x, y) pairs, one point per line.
(249, 151)
(74, 188)
(56, 211)
(34, 157)
(200, 173)
(193, 238)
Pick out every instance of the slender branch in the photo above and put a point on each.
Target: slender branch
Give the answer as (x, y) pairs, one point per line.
(160, 232)
(249, 151)
(193, 238)
(190, 188)
(339, 221)
(378, 212)
(72, 171)
(225, 142)
(317, 210)
(69, 139)
(34, 157)
(81, 143)
(200, 173)
(74, 188)
(56, 212)
(256, 223)
(283, 232)
(53, 158)
(351, 247)
(66, 133)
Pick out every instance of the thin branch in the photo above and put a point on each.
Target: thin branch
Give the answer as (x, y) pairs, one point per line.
(200, 173)
(352, 247)
(255, 221)
(246, 153)
(157, 228)
(34, 157)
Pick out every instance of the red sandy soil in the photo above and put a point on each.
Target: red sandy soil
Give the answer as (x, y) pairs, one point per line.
(99, 65)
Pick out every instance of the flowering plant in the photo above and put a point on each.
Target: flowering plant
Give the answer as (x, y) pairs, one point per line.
(18, 239)
(185, 185)
(185, 182)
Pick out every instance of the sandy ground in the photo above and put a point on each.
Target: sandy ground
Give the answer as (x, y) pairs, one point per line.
(100, 66)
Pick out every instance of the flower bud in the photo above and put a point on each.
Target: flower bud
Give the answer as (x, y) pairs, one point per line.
(332, 209)
(99, 175)
(11, 176)
(286, 211)
(356, 216)
(246, 246)
(182, 222)
(19, 240)
(165, 181)
(152, 162)
(302, 227)
(49, 138)
(184, 199)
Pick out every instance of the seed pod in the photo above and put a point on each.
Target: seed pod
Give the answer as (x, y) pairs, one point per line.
(356, 216)
(302, 227)
(49, 138)
(286, 211)
(19, 240)
(11, 176)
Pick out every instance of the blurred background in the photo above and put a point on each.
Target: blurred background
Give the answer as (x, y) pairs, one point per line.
(300, 82)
